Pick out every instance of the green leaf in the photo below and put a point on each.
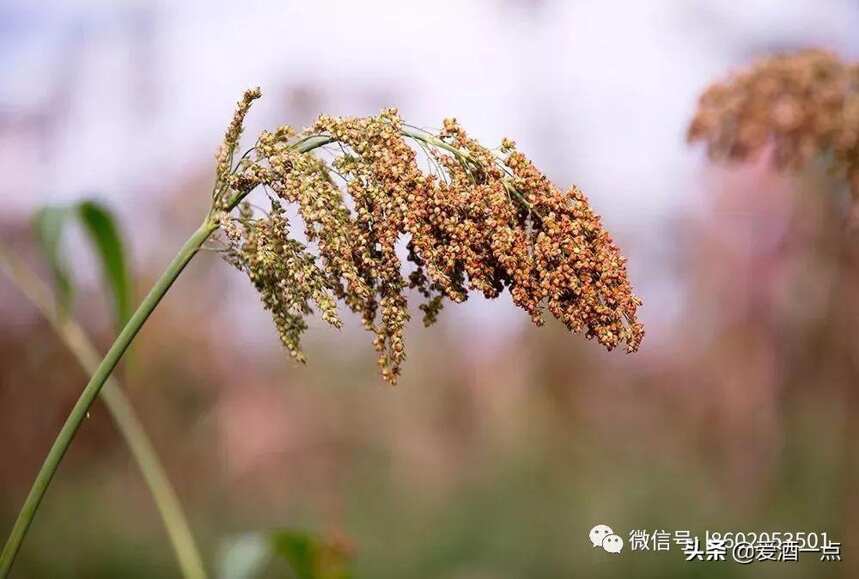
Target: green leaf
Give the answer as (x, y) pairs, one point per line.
(310, 556)
(48, 224)
(102, 230)
(297, 548)
(100, 225)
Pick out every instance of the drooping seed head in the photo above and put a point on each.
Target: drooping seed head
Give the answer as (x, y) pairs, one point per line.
(472, 220)
(803, 105)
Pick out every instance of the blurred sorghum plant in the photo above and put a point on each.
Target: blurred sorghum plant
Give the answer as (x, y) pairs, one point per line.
(476, 219)
(804, 105)
(473, 219)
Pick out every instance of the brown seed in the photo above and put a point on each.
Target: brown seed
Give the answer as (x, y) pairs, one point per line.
(478, 222)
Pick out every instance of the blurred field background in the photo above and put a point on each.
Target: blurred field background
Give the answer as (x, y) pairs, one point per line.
(503, 444)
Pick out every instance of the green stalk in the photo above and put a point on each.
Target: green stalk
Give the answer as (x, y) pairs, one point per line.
(120, 345)
(92, 389)
(120, 409)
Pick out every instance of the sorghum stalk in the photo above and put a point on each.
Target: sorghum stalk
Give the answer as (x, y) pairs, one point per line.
(120, 409)
(91, 392)
(466, 233)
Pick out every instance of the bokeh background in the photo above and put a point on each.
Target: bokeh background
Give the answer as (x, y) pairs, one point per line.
(503, 444)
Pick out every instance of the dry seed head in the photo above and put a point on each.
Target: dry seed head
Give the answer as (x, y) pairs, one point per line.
(474, 221)
(803, 105)
(234, 133)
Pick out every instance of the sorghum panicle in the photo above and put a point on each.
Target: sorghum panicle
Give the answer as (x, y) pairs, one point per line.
(474, 220)
(803, 105)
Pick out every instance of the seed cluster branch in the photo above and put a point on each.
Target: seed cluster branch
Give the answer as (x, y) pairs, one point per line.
(480, 221)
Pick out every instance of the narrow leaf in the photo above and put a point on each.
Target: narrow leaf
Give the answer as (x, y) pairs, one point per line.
(100, 225)
(48, 224)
